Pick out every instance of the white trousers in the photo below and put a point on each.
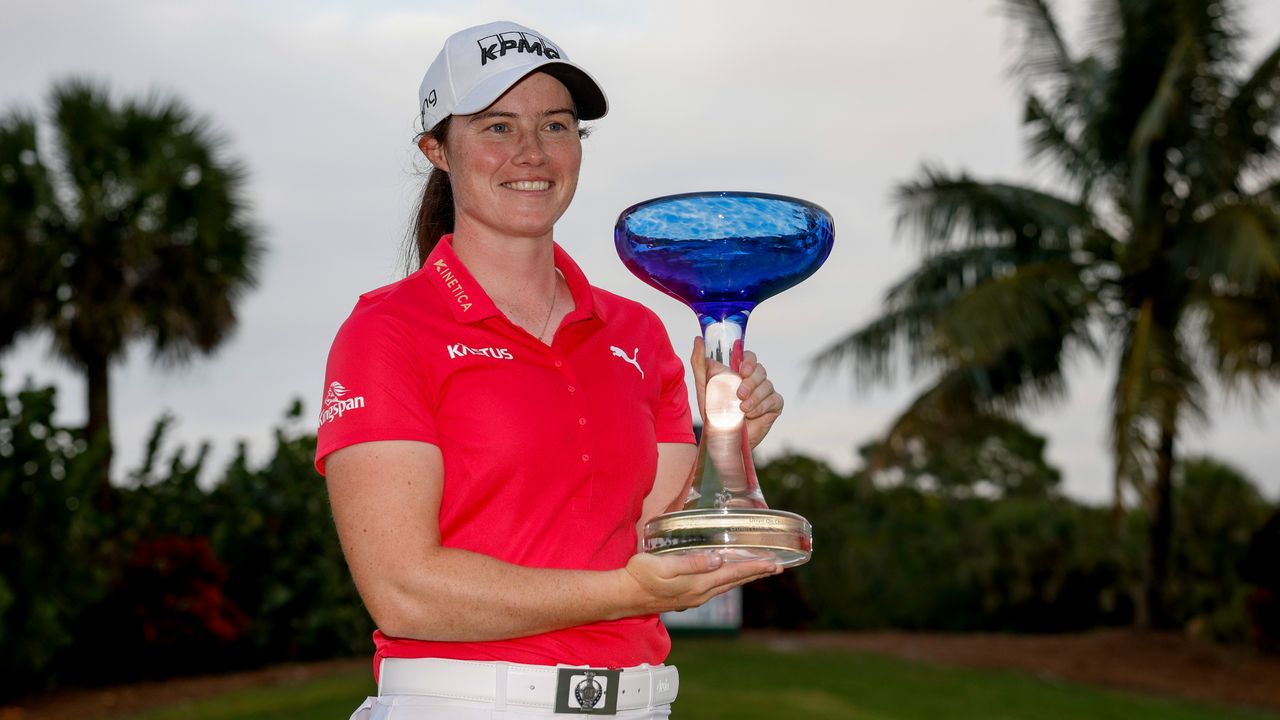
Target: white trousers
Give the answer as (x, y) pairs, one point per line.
(431, 689)
(418, 707)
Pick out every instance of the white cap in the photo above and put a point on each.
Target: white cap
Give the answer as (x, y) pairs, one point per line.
(477, 65)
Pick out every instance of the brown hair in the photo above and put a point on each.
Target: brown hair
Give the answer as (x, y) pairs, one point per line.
(434, 217)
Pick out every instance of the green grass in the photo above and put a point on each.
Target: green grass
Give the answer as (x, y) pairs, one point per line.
(725, 678)
(334, 696)
(728, 679)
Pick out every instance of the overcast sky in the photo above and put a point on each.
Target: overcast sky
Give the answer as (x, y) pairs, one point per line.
(834, 102)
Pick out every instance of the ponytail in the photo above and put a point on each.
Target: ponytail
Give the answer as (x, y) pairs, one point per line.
(434, 216)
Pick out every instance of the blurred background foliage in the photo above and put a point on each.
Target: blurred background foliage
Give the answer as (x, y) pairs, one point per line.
(244, 569)
(178, 578)
(900, 549)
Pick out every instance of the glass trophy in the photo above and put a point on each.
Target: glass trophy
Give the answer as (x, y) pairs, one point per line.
(723, 253)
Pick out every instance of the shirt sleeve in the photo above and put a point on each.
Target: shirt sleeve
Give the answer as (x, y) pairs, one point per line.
(672, 417)
(373, 389)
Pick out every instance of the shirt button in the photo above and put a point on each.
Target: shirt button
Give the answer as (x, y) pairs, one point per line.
(585, 457)
(582, 421)
(559, 364)
(573, 389)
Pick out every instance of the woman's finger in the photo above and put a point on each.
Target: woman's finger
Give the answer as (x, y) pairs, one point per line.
(763, 399)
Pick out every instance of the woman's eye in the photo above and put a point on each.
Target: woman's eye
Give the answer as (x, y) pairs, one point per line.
(556, 127)
(498, 128)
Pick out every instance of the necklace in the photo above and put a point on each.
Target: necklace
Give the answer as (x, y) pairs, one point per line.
(510, 313)
(555, 295)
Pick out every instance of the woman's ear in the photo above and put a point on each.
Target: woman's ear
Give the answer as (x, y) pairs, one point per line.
(434, 151)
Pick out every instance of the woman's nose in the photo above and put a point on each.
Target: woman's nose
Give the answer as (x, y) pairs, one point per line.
(531, 149)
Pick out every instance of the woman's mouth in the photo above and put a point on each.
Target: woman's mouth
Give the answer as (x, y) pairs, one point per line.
(527, 185)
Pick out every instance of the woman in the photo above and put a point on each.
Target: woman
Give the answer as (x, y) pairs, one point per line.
(489, 457)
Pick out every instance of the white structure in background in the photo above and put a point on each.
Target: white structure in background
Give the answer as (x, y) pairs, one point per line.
(721, 613)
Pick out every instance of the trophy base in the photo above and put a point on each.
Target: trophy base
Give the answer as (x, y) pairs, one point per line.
(736, 534)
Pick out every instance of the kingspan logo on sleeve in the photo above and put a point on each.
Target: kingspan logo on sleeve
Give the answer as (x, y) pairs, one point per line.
(336, 402)
(496, 46)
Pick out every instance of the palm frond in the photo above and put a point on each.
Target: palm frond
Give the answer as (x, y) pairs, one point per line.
(946, 275)
(943, 208)
(1166, 62)
(1243, 337)
(872, 351)
(1104, 31)
(912, 307)
(184, 255)
(1004, 322)
(84, 122)
(1044, 54)
(1052, 139)
(1242, 132)
(1234, 248)
(31, 263)
(1021, 313)
(1216, 29)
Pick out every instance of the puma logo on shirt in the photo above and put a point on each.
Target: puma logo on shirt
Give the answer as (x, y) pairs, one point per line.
(617, 351)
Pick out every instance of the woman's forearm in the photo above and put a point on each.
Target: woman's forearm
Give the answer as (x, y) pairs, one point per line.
(385, 498)
(460, 595)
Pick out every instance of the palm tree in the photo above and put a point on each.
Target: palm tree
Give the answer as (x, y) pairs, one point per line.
(119, 222)
(1154, 243)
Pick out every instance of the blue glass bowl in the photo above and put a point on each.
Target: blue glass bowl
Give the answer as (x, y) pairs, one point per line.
(722, 253)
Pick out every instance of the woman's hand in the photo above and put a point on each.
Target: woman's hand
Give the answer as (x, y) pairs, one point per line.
(678, 582)
(761, 404)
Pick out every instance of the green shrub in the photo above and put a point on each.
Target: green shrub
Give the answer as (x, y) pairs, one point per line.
(238, 575)
(920, 549)
(165, 614)
(1216, 513)
(50, 539)
(1262, 571)
(276, 534)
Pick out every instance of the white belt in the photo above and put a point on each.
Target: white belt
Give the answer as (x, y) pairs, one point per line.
(528, 686)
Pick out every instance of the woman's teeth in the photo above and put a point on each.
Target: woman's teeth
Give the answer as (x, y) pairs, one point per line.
(528, 185)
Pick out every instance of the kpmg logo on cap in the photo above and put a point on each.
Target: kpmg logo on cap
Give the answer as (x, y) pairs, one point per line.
(496, 46)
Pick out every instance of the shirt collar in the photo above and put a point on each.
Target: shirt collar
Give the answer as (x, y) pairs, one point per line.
(469, 302)
(584, 305)
(459, 290)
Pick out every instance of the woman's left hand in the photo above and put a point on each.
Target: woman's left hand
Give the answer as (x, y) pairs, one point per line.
(760, 401)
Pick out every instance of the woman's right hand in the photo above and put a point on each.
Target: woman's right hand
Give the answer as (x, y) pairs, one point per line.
(678, 582)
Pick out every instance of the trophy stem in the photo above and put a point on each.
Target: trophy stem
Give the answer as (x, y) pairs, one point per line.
(722, 334)
(724, 511)
(725, 476)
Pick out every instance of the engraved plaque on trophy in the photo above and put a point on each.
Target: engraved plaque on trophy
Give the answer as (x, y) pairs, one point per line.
(722, 253)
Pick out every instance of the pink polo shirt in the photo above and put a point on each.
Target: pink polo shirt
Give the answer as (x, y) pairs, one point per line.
(549, 451)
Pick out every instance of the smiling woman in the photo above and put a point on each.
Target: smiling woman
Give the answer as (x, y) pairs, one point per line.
(488, 485)
(513, 167)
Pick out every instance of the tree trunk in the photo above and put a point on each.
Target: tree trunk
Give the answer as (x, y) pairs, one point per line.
(97, 428)
(1161, 532)
(1135, 576)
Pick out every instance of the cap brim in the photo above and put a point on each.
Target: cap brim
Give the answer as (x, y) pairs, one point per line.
(587, 96)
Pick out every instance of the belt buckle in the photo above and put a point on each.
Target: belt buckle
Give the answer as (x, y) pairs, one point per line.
(587, 691)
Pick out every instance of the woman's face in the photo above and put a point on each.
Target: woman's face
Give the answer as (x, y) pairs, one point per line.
(514, 165)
